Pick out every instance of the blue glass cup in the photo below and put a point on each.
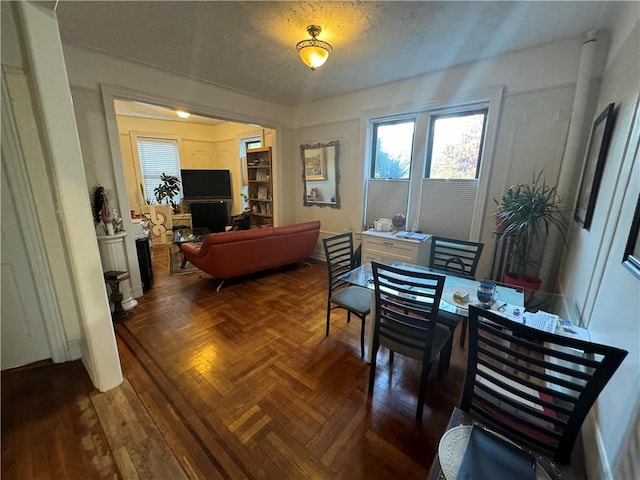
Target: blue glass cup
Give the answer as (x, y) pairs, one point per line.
(486, 293)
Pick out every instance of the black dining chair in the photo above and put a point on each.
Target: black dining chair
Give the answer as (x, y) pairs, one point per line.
(532, 386)
(407, 303)
(455, 257)
(340, 257)
(458, 257)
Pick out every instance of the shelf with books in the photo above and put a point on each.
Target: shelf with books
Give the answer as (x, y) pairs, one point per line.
(260, 183)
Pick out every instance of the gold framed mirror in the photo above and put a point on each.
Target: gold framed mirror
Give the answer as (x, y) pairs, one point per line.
(320, 174)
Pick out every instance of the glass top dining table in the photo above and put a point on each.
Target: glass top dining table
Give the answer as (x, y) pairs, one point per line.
(505, 295)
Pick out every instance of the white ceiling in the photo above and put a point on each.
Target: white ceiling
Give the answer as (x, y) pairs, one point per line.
(250, 46)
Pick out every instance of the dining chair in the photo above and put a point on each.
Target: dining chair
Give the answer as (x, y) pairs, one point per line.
(405, 319)
(338, 251)
(460, 258)
(534, 387)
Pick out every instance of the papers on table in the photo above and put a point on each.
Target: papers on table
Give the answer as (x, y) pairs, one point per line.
(541, 320)
(545, 321)
(568, 329)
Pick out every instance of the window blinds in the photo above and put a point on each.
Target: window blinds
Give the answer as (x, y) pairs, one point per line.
(158, 156)
(446, 207)
(385, 198)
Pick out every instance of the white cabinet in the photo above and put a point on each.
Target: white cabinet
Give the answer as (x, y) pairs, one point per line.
(113, 257)
(386, 245)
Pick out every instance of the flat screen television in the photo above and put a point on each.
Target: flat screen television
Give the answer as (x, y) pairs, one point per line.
(206, 184)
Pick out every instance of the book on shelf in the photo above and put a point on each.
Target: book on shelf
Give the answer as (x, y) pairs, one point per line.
(262, 193)
(262, 175)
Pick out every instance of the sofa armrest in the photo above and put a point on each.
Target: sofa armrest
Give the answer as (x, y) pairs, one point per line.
(194, 250)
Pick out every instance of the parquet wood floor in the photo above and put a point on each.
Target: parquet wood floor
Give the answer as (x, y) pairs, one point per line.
(243, 383)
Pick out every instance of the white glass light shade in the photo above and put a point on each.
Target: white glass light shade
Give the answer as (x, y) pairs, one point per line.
(314, 52)
(313, 57)
(182, 114)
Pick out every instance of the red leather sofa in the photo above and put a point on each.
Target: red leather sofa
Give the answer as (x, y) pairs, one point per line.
(236, 253)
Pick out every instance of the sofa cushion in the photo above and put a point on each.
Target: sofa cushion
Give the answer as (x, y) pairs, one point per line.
(239, 235)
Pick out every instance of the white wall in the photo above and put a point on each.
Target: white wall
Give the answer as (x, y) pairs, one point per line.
(79, 268)
(539, 84)
(607, 293)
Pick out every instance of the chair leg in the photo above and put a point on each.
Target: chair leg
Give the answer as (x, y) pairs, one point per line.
(362, 338)
(391, 354)
(372, 371)
(445, 357)
(426, 368)
(328, 318)
(463, 332)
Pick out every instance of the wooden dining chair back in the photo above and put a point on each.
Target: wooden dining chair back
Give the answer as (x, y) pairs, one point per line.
(458, 257)
(534, 387)
(405, 319)
(339, 254)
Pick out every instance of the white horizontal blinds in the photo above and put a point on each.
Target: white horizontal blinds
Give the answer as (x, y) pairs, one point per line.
(446, 208)
(158, 156)
(385, 198)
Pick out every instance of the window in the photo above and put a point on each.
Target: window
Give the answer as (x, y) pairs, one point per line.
(455, 145)
(428, 165)
(253, 144)
(158, 156)
(392, 149)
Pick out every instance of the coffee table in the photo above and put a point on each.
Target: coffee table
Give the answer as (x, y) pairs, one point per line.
(188, 235)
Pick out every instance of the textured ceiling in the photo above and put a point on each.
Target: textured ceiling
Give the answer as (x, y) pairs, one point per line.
(250, 46)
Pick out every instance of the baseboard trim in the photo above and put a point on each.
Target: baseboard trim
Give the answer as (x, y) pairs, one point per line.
(74, 352)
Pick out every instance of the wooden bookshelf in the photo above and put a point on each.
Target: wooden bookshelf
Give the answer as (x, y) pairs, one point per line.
(260, 178)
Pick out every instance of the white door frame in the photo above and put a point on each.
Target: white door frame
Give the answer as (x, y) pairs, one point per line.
(42, 278)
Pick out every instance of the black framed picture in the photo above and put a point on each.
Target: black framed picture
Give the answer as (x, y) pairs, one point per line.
(594, 165)
(631, 258)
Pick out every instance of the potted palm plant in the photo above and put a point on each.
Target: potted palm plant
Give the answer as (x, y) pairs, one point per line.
(527, 211)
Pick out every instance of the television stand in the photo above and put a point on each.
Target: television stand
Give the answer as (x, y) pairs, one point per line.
(211, 214)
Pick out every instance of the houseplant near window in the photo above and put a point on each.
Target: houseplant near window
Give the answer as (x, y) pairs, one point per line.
(527, 211)
(168, 189)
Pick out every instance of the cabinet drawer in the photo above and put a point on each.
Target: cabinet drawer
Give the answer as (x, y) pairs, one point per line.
(389, 249)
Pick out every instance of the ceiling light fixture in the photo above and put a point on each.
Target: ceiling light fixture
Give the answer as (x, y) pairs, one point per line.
(314, 52)
(183, 114)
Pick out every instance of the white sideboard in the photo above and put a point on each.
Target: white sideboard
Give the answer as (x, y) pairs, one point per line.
(386, 245)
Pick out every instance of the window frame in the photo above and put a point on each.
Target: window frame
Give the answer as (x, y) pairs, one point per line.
(374, 142)
(492, 96)
(166, 138)
(631, 257)
(433, 116)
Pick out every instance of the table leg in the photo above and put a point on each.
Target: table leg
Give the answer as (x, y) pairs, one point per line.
(369, 332)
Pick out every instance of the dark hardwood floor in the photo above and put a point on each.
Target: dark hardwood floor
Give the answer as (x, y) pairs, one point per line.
(240, 383)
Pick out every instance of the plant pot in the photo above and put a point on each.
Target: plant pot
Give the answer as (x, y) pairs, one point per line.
(528, 283)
